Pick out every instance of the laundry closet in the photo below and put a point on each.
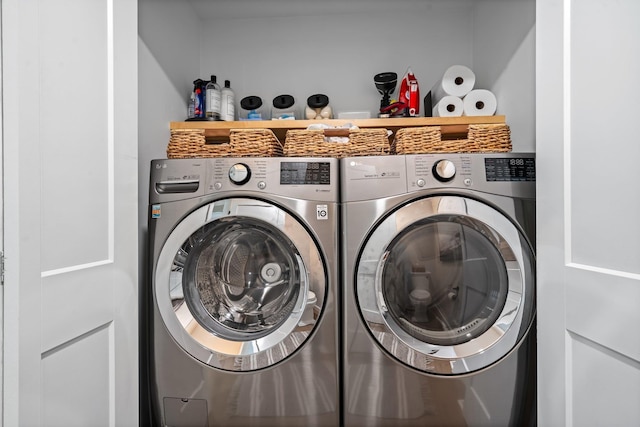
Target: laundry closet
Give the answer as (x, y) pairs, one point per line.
(541, 58)
(300, 48)
(274, 47)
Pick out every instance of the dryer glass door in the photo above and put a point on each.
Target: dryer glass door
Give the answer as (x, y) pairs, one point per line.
(446, 284)
(443, 281)
(233, 281)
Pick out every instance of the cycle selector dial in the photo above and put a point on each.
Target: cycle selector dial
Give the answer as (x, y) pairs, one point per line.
(239, 174)
(444, 170)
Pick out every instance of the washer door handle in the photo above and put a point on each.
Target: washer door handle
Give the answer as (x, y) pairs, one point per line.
(170, 187)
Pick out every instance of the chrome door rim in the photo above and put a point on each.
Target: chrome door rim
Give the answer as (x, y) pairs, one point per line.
(478, 353)
(181, 324)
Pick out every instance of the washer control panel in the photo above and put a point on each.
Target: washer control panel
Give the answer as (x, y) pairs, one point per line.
(304, 178)
(305, 173)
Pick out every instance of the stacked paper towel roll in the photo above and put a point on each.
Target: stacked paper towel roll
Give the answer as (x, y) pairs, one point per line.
(448, 106)
(479, 102)
(457, 80)
(454, 95)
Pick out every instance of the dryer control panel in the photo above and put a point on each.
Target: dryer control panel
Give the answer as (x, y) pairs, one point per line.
(510, 168)
(511, 174)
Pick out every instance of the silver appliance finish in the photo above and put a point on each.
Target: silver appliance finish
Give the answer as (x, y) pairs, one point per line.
(439, 290)
(244, 272)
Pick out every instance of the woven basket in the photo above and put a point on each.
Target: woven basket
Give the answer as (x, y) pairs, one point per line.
(311, 143)
(486, 138)
(191, 143)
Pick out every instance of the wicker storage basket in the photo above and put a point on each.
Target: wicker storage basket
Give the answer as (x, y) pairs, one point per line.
(191, 143)
(487, 138)
(311, 143)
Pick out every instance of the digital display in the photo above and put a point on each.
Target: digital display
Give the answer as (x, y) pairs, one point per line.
(510, 169)
(305, 173)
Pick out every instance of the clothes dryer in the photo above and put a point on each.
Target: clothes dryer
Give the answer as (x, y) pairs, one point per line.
(243, 292)
(439, 290)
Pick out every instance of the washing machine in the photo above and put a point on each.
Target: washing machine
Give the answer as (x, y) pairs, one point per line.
(243, 299)
(439, 290)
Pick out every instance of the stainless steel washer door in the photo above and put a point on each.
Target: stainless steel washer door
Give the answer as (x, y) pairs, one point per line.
(446, 285)
(232, 282)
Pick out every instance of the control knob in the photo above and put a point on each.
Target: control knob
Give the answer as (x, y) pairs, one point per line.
(239, 173)
(444, 170)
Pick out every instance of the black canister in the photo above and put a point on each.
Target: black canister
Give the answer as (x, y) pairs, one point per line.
(318, 107)
(284, 108)
(251, 108)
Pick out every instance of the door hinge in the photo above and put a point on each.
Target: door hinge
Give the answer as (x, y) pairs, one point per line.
(1, 268)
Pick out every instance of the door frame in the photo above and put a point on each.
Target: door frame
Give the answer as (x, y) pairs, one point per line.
(1, 230)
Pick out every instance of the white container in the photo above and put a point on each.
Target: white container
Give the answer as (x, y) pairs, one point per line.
(227, 103)
(308, 316)
(213, 97)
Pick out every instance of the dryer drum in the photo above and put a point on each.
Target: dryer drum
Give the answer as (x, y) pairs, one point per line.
(241, 280)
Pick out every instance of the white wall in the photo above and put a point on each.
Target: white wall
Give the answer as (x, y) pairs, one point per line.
(268, 48)
(168, 60)
(171, 31)
(504, 62)
(337, 53)
(336, 50)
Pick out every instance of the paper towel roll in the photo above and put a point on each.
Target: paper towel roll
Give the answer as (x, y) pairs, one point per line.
(457, 80)
(449, 106)
(480, 102)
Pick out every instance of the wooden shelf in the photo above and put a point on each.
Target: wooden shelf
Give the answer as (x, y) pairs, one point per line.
(451, 126)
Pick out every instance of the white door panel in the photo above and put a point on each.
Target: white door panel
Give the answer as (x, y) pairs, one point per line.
(75, 114)
(79, 372)
(70, 139)
(597, 396)
(88, 290)
(588, 203)
(603, 308)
